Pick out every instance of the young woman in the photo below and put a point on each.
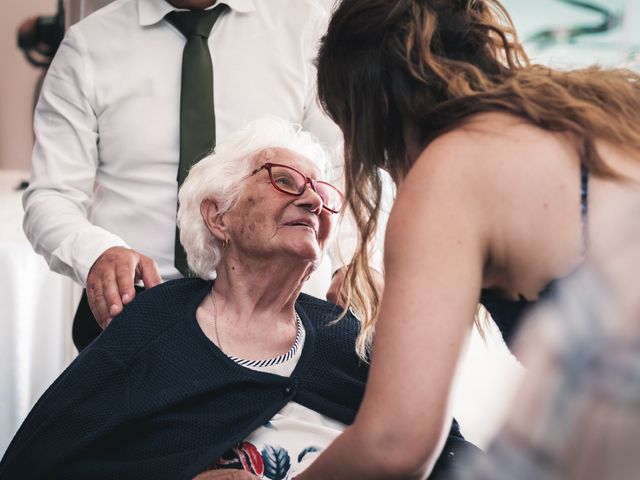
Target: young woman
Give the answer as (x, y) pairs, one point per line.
(508, 175)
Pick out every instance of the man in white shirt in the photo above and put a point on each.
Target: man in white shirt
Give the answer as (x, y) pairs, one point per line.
(101, 204)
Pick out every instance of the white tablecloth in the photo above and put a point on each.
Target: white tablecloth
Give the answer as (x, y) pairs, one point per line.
(36, 311)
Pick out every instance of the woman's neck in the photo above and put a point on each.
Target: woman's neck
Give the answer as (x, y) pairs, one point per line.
(259, 291)
(251, 311)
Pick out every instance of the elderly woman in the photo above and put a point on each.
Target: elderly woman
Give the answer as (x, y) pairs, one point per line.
(195, 375)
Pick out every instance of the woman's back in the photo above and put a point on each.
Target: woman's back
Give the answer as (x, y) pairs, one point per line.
(542, 210)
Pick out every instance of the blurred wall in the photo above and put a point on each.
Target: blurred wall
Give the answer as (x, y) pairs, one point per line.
(17, 82)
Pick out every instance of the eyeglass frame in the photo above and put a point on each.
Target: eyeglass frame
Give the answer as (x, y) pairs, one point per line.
(308, 181)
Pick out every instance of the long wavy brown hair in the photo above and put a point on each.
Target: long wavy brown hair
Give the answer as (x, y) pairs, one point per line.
(433, 64)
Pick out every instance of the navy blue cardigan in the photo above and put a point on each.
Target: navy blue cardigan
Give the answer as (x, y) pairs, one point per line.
(153, 397)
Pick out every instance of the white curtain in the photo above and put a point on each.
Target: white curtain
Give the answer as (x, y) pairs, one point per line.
(36, 310)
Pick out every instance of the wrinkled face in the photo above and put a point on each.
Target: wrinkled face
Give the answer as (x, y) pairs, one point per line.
(266, 222)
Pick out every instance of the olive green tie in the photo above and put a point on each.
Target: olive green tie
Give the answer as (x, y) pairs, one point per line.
(197, 117)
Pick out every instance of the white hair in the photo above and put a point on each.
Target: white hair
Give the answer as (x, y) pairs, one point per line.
(218, 177)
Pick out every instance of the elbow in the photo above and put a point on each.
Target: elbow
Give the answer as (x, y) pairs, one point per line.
(411, 462)
(396, 455)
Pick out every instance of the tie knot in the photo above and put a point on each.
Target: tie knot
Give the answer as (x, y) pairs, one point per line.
(195, 22)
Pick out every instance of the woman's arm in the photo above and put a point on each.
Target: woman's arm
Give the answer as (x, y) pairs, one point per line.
(434, 257)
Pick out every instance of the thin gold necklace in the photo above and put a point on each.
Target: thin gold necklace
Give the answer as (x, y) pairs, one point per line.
(215, 319)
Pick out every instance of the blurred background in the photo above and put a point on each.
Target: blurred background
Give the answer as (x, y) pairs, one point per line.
(36, 306)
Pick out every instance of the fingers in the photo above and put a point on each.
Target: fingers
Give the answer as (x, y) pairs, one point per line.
(331, 297)
(98, 305)
(111, 293)
(148, 272)
(333, 294)
(111, 278)
(225, 475)
(125, 274)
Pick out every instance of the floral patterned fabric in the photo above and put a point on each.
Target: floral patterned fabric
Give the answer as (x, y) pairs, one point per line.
(291, 440)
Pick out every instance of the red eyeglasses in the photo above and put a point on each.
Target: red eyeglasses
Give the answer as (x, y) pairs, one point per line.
(288, 180)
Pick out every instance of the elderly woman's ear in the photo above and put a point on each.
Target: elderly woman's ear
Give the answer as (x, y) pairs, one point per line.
(213, 219)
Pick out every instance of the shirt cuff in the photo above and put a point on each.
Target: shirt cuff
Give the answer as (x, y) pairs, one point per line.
(77, 253)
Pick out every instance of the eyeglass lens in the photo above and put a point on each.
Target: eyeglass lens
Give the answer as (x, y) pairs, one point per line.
(291, 181)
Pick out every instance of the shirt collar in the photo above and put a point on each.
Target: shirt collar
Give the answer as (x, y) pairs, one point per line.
(152, 11)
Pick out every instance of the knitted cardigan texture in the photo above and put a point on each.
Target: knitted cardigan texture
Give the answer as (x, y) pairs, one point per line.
(153, 397)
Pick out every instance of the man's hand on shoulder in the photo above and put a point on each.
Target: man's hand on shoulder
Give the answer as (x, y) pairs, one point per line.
(110, 284)
(334, 294)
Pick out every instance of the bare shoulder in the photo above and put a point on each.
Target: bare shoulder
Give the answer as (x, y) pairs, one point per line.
(500, 179)
(492, 144)
(494, 156)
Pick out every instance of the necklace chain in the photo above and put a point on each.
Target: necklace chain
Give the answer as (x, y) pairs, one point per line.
(215, 320)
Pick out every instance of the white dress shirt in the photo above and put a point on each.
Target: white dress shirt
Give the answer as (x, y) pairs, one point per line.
(107, 122)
